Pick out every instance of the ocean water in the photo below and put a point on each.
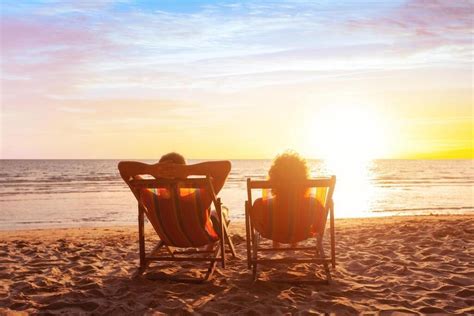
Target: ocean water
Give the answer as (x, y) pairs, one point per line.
(76, 193)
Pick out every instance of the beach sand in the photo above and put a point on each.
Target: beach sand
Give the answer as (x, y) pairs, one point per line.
(385, 266)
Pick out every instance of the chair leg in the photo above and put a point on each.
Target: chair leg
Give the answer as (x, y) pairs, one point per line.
(322, 255)
(333, 240)
(138, 272)
(229, 242)
(222, 238)
(254, 272)
(247, 235)
(212, 265)
(254, 256)
(141, 237)
(143, 267)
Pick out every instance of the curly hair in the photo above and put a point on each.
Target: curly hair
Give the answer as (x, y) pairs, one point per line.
(287, 168)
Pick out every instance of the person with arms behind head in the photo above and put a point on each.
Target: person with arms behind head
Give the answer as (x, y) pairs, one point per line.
(173, 166)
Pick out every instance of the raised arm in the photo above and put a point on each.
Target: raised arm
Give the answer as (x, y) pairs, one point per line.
(218, 170)
(130, 169)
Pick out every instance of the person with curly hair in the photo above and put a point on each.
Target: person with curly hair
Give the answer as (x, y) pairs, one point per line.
(287, 168)
(289, 201)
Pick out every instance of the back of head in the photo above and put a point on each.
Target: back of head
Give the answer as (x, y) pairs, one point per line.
(173, 158)
(286, 169)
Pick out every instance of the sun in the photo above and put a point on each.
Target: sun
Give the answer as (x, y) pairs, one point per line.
(348, 137)
(349, 132)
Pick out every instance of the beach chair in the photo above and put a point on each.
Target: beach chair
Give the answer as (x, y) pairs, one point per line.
(175, 210)
(289, 223)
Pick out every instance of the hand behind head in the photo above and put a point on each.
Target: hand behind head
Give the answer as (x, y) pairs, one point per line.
(169, 170)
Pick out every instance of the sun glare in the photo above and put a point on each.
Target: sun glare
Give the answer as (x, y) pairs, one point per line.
(349, 133)
(348, 137)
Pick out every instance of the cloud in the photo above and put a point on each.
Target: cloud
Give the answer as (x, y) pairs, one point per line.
(72, 49)
(424, 24)
(48, 55)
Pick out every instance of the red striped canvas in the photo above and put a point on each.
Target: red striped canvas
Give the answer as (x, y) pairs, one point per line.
(290, 218)
(180, 219)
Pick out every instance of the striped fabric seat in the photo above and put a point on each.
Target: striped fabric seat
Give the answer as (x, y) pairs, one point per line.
(290, 218)
(179, 216)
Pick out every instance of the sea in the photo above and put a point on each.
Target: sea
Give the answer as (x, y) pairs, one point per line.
(37, 194)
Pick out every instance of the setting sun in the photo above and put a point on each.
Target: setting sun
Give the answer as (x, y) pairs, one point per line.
(317, 155)
(349, 132)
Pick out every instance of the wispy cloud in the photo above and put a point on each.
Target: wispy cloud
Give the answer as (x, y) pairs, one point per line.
(426, 25)
(96, 46)
(64, 59)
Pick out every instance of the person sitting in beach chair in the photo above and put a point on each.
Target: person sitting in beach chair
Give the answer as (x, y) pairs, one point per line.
(177, 204)
(292, 208)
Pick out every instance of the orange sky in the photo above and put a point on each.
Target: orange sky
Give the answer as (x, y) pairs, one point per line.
(248, 80)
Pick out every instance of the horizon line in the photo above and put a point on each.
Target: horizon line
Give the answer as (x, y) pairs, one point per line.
(210, 159)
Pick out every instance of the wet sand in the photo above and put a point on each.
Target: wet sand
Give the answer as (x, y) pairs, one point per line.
(385, 266)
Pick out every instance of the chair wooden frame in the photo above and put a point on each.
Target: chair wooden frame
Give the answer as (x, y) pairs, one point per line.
(212, 256)
(253, 237)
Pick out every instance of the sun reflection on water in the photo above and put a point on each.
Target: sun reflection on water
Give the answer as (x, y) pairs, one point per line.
(355, 192)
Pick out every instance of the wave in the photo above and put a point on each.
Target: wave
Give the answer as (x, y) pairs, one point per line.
(46, 193)
(39, 222)
(70, 190)
(62, 179)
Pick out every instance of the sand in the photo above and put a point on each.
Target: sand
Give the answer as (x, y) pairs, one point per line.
(386, 266)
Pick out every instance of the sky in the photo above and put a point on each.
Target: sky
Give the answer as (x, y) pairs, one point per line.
(236, 79)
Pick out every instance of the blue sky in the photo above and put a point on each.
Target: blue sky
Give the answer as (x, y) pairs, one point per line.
(81, 67)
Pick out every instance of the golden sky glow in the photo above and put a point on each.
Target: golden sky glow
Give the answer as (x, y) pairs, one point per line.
(237, 80)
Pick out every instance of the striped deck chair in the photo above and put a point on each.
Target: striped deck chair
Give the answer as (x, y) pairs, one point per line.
(289, 220)
(175, 209)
